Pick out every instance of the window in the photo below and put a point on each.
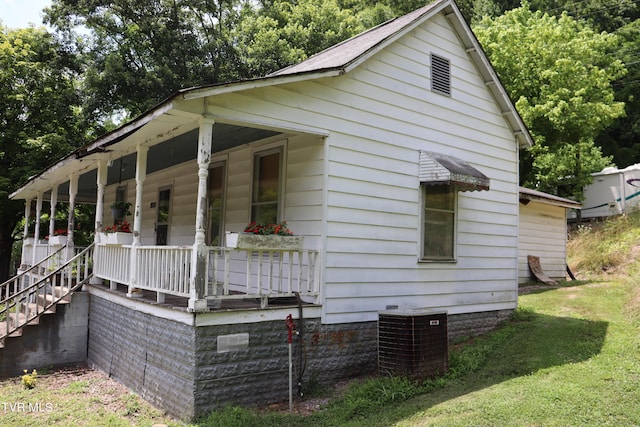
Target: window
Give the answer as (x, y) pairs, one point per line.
(439, 222)
(265, 201)
(440, 75)
(215, 204)
(163, 218)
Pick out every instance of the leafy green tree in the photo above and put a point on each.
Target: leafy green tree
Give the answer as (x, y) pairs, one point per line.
(141, 51)
(621, 140)
(283, 32)
(559, 72)
(601, 15)
(39, 119)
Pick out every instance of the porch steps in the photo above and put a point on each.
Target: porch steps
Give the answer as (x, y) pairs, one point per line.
(33, 307)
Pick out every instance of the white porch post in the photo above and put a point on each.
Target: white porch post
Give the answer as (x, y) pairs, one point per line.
(73, 191)
(52, 214)
(36, 233)
(141, 174)
(25, 232)
(101, 183)
(198, 279)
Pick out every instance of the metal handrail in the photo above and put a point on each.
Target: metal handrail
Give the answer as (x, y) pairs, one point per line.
(23, 306)
(28, 270)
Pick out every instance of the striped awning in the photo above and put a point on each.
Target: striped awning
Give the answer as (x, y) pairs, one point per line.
(442, 169)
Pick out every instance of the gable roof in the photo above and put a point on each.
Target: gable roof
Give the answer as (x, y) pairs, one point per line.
(349, 53)
(343, 57)
(334, 61)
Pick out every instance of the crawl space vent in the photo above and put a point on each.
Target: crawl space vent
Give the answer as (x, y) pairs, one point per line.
(413, 343)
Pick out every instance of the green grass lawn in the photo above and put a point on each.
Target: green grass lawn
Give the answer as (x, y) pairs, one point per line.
(570, 357)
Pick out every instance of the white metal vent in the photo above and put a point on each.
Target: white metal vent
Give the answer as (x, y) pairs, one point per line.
(440, 75)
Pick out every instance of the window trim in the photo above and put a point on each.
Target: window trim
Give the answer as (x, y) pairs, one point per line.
(279, 148)
(161, 188)
(224, 163)
(422, 258)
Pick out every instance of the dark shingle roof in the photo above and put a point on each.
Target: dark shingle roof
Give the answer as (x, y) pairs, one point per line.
(339, 56)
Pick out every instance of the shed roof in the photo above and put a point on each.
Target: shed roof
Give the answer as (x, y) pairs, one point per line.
(527, 194)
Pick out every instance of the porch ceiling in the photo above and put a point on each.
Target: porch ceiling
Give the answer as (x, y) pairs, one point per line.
(169, 152)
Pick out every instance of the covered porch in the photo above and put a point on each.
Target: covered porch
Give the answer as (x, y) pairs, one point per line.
(166, 257)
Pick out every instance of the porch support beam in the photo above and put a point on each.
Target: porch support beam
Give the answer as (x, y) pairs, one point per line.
(141, 175)
(73, 192)
(36, 233)
(198, 278)
(52, 212)
(25, 231)
(101, 184)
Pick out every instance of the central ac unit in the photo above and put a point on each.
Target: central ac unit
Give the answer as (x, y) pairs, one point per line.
(413, 343)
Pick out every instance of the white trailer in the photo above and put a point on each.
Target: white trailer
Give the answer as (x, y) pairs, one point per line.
(613, 192)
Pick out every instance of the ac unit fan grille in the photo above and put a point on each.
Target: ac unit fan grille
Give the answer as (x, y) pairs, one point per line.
(413, 345)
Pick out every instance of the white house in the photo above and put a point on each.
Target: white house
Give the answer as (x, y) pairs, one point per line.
(394, 154)
(543, 233)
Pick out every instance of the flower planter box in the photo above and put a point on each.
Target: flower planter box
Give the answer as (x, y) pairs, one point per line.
(117, 238)
(262, 242)
(29, 241)
(58, 240)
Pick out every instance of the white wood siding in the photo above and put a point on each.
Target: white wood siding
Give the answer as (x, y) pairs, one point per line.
(543, 233)
(303, 198)
(378, 116)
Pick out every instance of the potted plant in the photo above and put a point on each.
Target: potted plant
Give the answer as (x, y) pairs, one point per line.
(117, 234)
(120, 210)
(270, 237)
(59, 237)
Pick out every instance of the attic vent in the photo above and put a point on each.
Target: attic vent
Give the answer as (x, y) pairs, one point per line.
(413, 343)
(440, 75)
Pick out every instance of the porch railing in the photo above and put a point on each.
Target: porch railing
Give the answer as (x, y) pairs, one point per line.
(33, 293)
(231, 273)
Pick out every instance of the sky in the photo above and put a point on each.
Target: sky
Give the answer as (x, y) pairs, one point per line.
(19, 13)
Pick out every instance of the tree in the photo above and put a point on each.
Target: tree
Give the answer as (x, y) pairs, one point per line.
(141, 51)
(622, 140)
(559, 72)
(39, 119)
(284, 33)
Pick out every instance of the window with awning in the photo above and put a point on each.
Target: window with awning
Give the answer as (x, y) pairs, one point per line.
(442, 177)
(442, 169)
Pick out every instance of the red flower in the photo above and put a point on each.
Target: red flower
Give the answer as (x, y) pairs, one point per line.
(280, 229)
(120, 226)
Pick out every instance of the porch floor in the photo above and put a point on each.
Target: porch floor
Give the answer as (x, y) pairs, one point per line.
(181, 303)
